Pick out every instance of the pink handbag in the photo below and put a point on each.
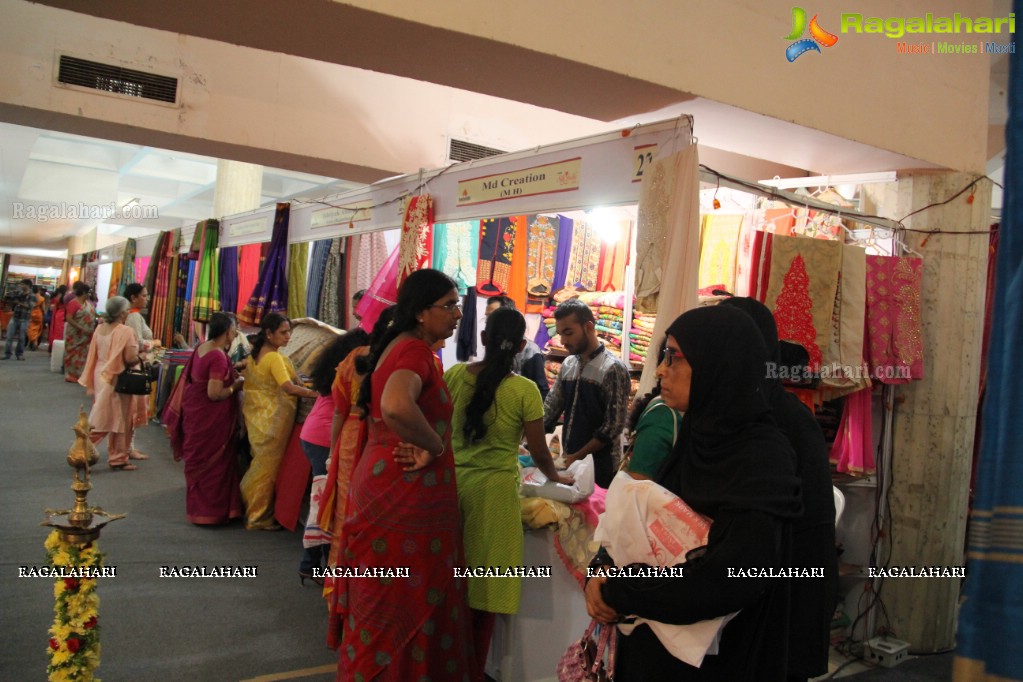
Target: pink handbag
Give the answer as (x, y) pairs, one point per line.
(583, 661)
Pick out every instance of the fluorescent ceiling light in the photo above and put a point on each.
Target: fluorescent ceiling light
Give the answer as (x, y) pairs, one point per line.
(831, 180)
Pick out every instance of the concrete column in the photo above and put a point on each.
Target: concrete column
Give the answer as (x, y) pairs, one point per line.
(239, 188)
(934, 418)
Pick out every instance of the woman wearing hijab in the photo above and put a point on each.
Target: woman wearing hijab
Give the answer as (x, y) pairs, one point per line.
(812, 602)
(732, 465)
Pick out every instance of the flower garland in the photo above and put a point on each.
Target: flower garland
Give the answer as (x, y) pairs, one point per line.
(74, 641)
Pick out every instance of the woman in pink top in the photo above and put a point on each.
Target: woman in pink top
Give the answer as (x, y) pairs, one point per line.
(316, 442)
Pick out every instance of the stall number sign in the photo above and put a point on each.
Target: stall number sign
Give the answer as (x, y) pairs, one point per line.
(642, 159)
(341, 215)
(562, 176)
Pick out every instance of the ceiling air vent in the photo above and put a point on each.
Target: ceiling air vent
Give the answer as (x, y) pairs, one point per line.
(460, 150)
(106, 78)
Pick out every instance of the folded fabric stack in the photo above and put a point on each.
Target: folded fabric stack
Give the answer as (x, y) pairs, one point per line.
(640, 336)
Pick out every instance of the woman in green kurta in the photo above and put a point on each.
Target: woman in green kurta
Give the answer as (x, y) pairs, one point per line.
(493, 408)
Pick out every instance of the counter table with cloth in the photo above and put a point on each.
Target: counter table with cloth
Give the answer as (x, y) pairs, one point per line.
(269, 416)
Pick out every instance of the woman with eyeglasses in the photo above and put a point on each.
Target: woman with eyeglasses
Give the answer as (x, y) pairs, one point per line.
(732, 465)
(402, 505)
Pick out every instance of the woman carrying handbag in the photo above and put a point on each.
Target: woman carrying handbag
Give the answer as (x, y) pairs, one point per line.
(112, 351)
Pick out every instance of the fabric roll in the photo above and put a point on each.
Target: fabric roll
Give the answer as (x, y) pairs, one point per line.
(298, 265)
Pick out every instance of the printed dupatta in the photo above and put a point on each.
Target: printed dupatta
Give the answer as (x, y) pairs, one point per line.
(271, 292)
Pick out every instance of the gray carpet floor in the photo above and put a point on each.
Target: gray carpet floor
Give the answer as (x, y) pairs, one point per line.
(153, 628)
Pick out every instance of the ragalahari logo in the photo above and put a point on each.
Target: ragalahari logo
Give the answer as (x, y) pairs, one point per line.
(818, 36)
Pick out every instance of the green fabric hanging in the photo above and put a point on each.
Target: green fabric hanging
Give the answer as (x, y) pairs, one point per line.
(207, 286)
(298, 266)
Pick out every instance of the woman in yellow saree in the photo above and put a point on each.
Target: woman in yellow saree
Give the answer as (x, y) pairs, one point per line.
(269, 403)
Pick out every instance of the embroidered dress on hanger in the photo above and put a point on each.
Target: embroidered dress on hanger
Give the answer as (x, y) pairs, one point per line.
(895, 345)
(543, 248)
(720, 245)
(456, 251)
(584, 260)
(845, 350)
(801, 292)
(497, 244)
(416, 236)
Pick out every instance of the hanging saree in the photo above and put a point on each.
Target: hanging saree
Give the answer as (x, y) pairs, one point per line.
(115, 279)
(206, 300)
(127, 274)
(613, 255)
(141, 268)
(563, 251)
(456, 252)
(271, 292)
(329, 313)
(853, 449)
(543, 252)
(497, 244)
(519, 261)
(228, 285)
(298, 264)
(249, 261)
(416, 236)
(383, 292)
(317, 266)
(895, 343)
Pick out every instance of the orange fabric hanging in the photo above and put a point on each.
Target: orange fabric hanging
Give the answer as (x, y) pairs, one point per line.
(520, 256)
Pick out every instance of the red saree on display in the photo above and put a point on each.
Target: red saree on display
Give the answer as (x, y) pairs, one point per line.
(417, 627)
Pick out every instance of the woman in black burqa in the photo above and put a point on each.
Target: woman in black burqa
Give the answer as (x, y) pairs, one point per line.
(732, 464)
(812, 601)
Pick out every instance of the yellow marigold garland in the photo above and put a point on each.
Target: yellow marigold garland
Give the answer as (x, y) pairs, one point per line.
(74, 637)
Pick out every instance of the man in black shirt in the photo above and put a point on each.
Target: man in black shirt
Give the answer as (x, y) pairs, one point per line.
(21, 301)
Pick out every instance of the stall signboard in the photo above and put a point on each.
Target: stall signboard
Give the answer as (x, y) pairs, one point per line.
(341, 215)
(550, 178)
(245, 227)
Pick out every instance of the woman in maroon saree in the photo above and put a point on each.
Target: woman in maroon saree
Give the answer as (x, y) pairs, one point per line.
(203, 430)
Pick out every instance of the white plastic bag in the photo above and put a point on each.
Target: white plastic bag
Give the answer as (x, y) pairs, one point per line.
(535, 484)
(645, 523)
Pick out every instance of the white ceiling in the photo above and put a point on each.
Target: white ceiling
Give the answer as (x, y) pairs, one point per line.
(65, 185)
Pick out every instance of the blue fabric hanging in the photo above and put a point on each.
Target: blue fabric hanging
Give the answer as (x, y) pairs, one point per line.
(990, 640)
(317, 266)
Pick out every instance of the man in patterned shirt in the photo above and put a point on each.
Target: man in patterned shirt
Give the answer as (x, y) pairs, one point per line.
(592, 391)
(21, 301)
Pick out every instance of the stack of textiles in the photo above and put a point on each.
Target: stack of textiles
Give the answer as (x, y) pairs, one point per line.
(640, 335)
(607, 309)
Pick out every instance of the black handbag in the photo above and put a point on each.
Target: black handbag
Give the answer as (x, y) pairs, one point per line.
(133, 381)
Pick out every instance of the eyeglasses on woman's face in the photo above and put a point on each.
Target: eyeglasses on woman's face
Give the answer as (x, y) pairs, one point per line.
(672, 356)
(450, 306)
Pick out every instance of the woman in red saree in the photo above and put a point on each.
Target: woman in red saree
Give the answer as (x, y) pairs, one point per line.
(204, 432)
(57, 309)
(80, 323)
(402, 506)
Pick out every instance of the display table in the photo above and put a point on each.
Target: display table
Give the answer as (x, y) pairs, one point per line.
(526, 647)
